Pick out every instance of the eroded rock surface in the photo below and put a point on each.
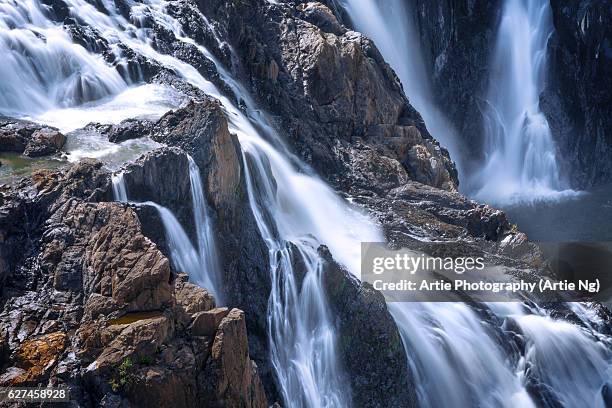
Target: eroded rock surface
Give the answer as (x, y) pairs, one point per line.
(29, 138)
(91, 303)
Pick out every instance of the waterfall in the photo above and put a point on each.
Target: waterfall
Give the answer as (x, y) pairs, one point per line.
(42, 67)
(119, 188)
(210, 268)
(201, 263)
(521, 158)
(391, 24)
(302, 336)
(455, 359)
(450, 348)
(452, 351)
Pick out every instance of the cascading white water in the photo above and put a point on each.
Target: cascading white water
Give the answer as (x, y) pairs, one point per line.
(42, 67)
(119, 188)
(521, 159)
(201, 263)
(207, 251)
(295, 212)
(45, 76)
(575, 363)
(302, 336)
(390, 23)
(450, 348)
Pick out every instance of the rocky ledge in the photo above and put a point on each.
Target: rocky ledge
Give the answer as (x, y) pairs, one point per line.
(29, 138)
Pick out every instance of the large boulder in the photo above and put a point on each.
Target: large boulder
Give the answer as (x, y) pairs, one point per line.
(29, 138)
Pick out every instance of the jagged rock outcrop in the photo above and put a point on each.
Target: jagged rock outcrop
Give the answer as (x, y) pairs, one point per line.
(577, 99)
(102, 312)
(328, 88)
(29, 138)
(201, 130)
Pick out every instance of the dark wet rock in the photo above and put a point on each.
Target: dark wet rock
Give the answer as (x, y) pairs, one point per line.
(457, 40)
(129, 129)
(125, 130)
(321, 16)
(577, 99)
(29, 138)
(25, 207)
(170, 164)
(369, 342)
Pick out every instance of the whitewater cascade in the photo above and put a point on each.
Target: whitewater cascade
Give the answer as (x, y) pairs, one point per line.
(449, 346)
(521, 158)
(391, 24)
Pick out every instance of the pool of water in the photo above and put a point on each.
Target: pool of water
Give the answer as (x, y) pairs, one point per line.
(14, 166)
(584, 217)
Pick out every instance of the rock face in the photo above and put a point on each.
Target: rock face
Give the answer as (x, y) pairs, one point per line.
(201, 130)
(457, 39)
(142, 183)
(91, 303)
(329, 88)
(577, 98)
(234, 381)
(28, 138)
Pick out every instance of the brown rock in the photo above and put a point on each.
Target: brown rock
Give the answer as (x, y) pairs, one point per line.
(201, 130)
(141, 338)
(44, 141)
(235, 380)
(206, 323)
(37, 357)
(29, 138)
(191, 299)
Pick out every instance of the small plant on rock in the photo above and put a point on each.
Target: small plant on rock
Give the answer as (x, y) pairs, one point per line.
(124, 376)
